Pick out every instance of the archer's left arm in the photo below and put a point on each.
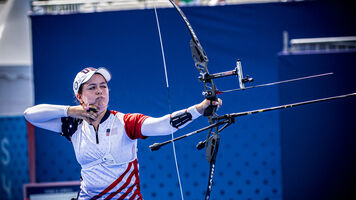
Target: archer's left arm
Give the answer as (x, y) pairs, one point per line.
(170, 123)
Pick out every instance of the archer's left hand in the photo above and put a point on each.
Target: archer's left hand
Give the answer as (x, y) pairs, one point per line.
(206, 103)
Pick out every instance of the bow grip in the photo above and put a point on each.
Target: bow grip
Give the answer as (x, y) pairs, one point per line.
(210, 95)
(209, 110)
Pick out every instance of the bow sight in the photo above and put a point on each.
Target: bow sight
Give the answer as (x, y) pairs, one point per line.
(206, 77)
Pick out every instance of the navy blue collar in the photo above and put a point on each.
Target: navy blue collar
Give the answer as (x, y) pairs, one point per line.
(106, 116)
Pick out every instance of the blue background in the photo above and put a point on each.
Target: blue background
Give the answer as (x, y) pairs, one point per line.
(318, 141)
(253, 160)
(13, 157)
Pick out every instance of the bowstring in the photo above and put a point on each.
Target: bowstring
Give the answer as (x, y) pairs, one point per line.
(169, 99)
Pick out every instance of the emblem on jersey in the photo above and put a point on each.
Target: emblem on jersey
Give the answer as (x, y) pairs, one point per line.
(108, 132)
(113, 132)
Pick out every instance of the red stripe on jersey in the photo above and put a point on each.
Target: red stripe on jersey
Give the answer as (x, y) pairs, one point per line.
(137, 191)
(133, 123)
(134, 195)
(128, 191)
(123, 186)
(117, 181)
(132, 186)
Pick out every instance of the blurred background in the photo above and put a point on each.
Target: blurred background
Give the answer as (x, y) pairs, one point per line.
(305, 152)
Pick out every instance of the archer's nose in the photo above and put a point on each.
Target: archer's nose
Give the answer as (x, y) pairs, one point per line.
(99, 91)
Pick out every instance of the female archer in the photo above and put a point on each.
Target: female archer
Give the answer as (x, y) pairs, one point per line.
(105, 141)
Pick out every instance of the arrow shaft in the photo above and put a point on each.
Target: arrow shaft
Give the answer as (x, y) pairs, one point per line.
(280, 82)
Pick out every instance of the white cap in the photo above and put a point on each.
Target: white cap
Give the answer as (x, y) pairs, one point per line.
(85, 75)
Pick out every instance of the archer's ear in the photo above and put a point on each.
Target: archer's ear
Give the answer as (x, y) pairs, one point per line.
(79, 97)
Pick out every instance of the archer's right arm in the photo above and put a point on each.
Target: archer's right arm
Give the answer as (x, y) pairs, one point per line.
(51, 117)
(46, 116)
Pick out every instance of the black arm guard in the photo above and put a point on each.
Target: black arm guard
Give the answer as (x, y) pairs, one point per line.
(180, 119)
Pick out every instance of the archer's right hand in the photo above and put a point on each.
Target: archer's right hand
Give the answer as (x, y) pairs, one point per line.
(88, 113)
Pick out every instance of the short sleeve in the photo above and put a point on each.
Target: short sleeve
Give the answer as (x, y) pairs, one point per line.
(133, 123)
(69, 126)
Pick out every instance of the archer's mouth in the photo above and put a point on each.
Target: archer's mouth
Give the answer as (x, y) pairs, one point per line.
(98, 99)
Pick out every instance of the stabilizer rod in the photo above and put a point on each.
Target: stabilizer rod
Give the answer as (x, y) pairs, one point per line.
(233, 115)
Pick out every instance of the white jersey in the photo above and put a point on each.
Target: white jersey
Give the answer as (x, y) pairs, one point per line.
(108, 156)
(107, 153)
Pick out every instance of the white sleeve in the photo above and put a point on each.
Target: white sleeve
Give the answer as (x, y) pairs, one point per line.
(46, 116)
(161, 126)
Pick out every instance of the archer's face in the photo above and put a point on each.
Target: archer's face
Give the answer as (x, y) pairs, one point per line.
(95, 92)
